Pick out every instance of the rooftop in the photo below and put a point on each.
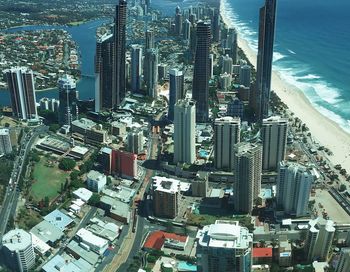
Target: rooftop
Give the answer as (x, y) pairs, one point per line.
(262, 252)
(164, 184)
(156, 239)
(58, 219)
(83, 194)
(91, 238)
(58, 263)
(17, 239)
(89, 256)
(94, 175)
(84, 123)
(47, 232)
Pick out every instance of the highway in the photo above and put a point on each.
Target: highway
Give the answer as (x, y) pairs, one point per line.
(8, 208)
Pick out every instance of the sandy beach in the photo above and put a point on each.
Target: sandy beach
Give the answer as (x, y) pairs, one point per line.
(323, 130)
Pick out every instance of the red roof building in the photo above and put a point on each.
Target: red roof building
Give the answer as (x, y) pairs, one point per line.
(262, 255)
(158, 239)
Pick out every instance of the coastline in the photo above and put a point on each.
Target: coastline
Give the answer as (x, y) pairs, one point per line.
(324, 130)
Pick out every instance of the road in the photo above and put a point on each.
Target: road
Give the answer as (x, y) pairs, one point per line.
(9, 205)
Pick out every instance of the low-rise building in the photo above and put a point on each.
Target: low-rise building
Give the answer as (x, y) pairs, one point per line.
(262, 255)
(59, 219)
(116, 209)
(96, 181)
(83, 194)
(48, 233)
(67, 264)
(89, 131)
(88, 240)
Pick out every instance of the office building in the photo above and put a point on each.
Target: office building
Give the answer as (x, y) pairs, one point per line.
(88, 131)
(235, 108)
(274, 132)
(176, 90)
(18, 251)
(244, 75)
(20, 81)
(104, 67)
(200, 88)
(149, 39)
(247, 175)
(68, 96)
(344, 260)
(185, 131)
(135, 142)
(224, 246)
(319, 239)
(96, 181)
(264, 61)
(226, 135)
(136, 67)
(119, 81)
(231, 44)
(151, 72)
(294, 183)
(5, 141)
(227, 65)
(165, 194)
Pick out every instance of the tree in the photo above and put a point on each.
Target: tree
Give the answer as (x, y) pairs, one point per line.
(66, 164)
(54, 127)
(94, 200)
(74, 175)
(342, 188)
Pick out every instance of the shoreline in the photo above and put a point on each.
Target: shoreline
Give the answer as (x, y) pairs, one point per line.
(324, 130)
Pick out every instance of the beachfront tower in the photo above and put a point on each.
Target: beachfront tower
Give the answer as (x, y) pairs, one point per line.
(104, 73)
(176, 90)
(264, 61)
(226, 135)
(185, 131)
(20, 81)
(247, 175)
(119, 81)
(200, 88)
(136, 67)
(68, 96)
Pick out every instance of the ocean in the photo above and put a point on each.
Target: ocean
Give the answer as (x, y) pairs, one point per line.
(312, 48)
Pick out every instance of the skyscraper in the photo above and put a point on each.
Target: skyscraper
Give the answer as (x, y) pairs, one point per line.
(344, 260)
(20, 81)
(247, 175)
(226, 135)
(265, 53)
(244, 75)
(176, 90)
(200, 88)
(68, 95)
(178, 21)
(151, 72)
(294, 183)
(5, 141)
(216, 26)
(104, 73)
(136, 67)
(185, 131)
(187, 30)
(119, 82)
(319, 239)
(227, 65)
(149, 39)
(274, 139)
(224, 246)
(231, 43)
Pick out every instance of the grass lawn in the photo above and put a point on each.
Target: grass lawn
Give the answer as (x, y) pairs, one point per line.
(47, 180)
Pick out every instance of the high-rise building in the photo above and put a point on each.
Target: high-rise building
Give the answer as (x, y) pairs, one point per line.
(224, 246)
(162, 71)
(178, 21)
(319, 239)
(104, 67)
(185, 131)
(244, 75)
(135, 142)
(211, 65)
(20, 81)
(235, 108)
(136, 67)
(231, 44)
(149, 39)
(68, 96)
(165, 194)
(216, 26)
(5, 141)
(294, 183)
(265, 53)
(187, 30)
(344, 260)
(119, 82)
(247, 175)
(225, 81)
(226, 135)
(200, 88)
(18, 251)
(176, 90)
(274, 139)
(227, 65)
(151, 72)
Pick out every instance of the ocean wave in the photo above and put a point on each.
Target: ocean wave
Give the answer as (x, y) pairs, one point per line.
(342, 122)
(291, 51)
(277, 56)
(309, 76)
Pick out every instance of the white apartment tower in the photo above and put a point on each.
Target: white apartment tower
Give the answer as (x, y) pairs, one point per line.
(224, 246)
(18, 250)
(185, 131)
(294, 183)
(247, 175)
(226, 135)
(319, 239)
(274, 139)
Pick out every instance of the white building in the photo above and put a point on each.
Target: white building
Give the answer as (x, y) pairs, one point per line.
(96, 181)
(226, 135)
(344, 260)
(90, 241)
(294, 183)
(83, 194)
(224, 246)
(274, 139)
(5, 141)
(185, 131)
(18, 250)
(319, 239)
(225, 81)
(135, 141)
(227, 63)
